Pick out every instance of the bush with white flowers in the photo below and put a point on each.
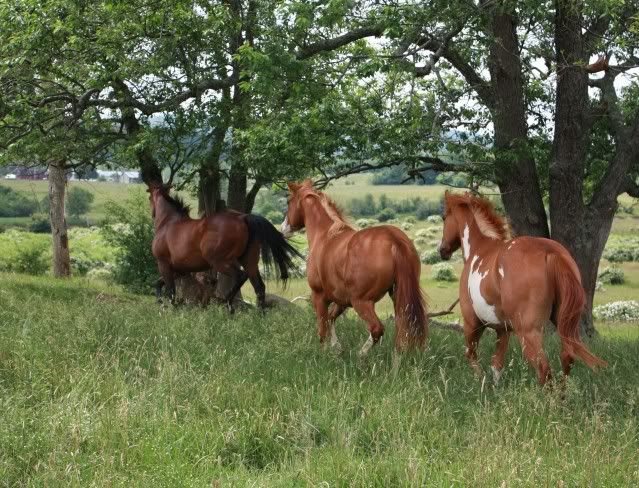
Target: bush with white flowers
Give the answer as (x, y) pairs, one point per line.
(434, 219)
(626, 311)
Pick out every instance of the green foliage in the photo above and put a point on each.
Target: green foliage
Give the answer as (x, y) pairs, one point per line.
(40, 223)
(397, 175)
(79, 201)
(443, 272)
(15, 204)
(612, 276)
(386, 214)
(25, 256)
(31, 260)
(129, 229)
(430, 257)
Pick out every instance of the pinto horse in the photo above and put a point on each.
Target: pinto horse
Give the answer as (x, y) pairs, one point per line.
(357, 268)
(513, 285)
(228, 242)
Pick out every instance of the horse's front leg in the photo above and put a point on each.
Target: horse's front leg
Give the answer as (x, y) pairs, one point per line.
(320, 304)
(159, 284)
(168, 280)
(473, 331)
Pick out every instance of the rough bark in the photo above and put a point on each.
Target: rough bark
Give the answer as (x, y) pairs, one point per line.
(568, 217)
(517, 176)
(60, 240)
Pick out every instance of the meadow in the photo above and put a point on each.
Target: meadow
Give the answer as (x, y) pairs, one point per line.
(100, 387)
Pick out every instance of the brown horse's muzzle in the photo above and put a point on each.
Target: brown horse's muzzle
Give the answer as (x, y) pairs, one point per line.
(444, 252)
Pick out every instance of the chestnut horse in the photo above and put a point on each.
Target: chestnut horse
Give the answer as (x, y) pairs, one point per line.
(357, 268)
(228, 242)
(513, 285)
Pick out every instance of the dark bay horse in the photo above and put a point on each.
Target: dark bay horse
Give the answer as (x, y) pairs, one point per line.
(513, 285)
(228, 242)
(346, 268)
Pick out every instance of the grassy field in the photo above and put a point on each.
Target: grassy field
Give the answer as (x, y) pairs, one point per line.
(101, 388)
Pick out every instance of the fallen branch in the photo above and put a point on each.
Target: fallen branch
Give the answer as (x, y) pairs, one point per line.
(438, 324)
(448, 311)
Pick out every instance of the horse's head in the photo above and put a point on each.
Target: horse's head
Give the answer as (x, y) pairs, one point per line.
(451, 240)
(156, 190)
(294, 220)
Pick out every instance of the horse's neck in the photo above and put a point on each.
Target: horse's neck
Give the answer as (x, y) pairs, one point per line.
(472, 238)
(165, 212)
(317, 222)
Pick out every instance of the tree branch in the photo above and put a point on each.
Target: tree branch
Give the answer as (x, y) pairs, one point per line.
(310, 50)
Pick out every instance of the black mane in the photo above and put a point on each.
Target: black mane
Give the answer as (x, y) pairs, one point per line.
(178, 204)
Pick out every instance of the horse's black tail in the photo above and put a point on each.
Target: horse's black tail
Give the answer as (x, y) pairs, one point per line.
(273, 245)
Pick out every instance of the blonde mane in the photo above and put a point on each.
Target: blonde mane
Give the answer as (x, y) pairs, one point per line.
(489, 222)
(333, 211)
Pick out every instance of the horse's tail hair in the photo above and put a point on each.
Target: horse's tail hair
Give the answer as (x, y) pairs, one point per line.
(410, 304)
(570, 298)
(273, 245)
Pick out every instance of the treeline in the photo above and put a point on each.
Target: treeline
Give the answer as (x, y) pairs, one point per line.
(15, 204)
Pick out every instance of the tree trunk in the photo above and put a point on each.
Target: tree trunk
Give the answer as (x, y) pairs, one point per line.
(517, 176)
(57, 184)
(580, 233)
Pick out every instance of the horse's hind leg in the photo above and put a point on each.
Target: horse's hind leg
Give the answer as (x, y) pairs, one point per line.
(240, 279)
(334, 312)
(503, 336)
(531, 346)
(250, 264)
(366, 310)
(472, 333)
(260, 289)
(159, 284)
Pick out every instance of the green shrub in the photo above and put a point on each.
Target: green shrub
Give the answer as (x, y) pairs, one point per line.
(612, 276)
(619, 255)
(443, 272)
(431, 257)
(275, 216)
(129, 229)
(16, 204)
(426, 208)
(40, 223)
(79, 201)
(386, 214)
(31, 259)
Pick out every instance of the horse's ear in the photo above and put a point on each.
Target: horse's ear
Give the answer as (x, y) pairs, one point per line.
(308, 183)
(293, 186)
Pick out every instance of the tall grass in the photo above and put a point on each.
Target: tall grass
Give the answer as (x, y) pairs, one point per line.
(101, 388)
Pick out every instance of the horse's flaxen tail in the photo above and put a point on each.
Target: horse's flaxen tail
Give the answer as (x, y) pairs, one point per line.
(570, 298)
(410, 305)
(275, 249)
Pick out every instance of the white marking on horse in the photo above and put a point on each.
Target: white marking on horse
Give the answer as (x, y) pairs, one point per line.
(496, 375)
(367, 346)
(286, 228)
(466, 242)
(483, 310)
(334, 341)
(501, 271)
